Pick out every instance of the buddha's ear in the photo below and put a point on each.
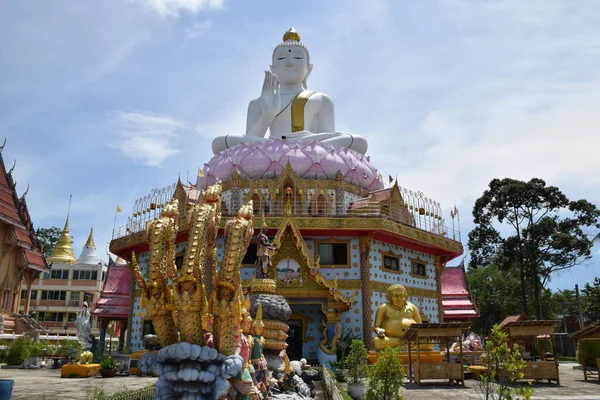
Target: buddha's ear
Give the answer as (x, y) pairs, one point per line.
(310, 66)
(272, 69)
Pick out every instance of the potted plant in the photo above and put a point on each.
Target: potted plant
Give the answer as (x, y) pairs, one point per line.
(385, 376)
(356, 365)
(108, 367)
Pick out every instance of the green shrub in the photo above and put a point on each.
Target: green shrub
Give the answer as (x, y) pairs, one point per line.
(356, 361)
(587, 352)
(18, 350)
(386, 376)
(504, 367)
(108, 363)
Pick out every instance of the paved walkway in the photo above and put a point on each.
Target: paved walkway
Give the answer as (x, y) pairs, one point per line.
(572, 387)
(47, 384)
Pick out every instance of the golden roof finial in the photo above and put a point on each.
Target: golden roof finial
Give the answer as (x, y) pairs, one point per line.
(63, 251)
(291, 35)
(90, 241)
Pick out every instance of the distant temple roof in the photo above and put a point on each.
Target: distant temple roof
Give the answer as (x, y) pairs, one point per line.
(63, 251)
(457, 303)
(114, 301)
(14, 213)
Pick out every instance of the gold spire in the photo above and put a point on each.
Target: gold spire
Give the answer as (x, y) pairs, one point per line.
(63, 252)
(90, 241)
(291, 35)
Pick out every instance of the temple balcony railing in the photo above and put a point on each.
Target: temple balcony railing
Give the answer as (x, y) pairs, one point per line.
(419, 218)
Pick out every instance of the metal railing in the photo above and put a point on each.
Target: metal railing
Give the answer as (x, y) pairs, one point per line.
(146, 393)
(410, 208)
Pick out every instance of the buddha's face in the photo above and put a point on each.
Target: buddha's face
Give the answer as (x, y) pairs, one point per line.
(290, 64)
(397, 298)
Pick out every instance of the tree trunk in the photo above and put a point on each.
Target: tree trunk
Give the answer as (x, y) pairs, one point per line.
(524, 302)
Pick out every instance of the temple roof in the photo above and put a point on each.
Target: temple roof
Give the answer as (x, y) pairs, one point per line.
(63, 251)
(115, 298)
(514, 318)
(88, 254)
(457, 303)
(14, 213)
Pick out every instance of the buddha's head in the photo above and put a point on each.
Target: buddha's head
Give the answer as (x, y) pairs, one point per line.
(291, 60)
(397, 296)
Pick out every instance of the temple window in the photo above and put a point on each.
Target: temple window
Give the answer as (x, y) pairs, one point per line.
(333, 253)
(391, 263)
(418, 269)
(250, 256)
(50, 316)
(54, 295)
(32, 297)
(87, 297)
(85, 275)
(59, 274)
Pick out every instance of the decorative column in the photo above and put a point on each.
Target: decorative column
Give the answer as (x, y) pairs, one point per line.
(122, 329)
(103, 327)
(365, 273)
(439, 268)
(331, 331)
(29, 278)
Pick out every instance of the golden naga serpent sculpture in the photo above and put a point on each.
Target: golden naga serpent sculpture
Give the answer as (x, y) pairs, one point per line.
(187, 293)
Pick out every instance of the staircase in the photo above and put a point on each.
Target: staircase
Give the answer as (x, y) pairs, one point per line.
(7, 324)
(29, 324)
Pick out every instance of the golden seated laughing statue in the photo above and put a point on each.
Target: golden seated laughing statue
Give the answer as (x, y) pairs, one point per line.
(393, 319)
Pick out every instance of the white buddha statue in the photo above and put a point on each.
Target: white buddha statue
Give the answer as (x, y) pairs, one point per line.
(287, 108)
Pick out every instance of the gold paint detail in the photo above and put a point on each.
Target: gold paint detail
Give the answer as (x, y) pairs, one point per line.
(289, 243)
(416, 292)
(331, 317)
(262, 286)
(298, 105)
(63, 251)
(291, 35)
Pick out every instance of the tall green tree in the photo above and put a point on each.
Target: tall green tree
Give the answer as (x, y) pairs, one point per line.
(48, 237)
(532, 228)
(494, 293)
(563, 302)
(590, 301)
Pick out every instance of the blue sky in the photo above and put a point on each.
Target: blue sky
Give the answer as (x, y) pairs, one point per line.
(107, 100)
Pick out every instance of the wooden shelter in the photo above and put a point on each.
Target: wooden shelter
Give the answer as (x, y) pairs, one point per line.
(590, 333)
(445, 333)
(534, 333)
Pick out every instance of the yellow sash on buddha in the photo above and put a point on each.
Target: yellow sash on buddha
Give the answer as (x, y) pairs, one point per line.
(298, 110)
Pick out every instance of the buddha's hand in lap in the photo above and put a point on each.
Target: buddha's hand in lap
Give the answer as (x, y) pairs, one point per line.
(380, 332)
(270, 100)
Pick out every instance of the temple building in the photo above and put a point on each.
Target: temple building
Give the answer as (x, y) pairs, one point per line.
(457, 303)
(22, 257)
(340, 238)
(113, 303)
(57, 295)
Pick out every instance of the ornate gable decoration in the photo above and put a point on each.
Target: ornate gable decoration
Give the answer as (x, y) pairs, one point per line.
(289, 230)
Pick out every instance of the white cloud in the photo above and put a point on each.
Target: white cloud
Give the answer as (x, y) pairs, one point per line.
(198, 29)
(146, 138)
(172, 8)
